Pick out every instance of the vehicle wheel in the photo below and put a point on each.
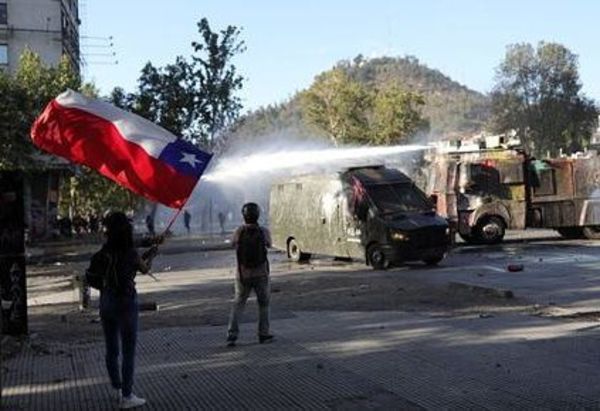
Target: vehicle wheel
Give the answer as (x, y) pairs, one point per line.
(489, 230)
(295, 253)
(570, 232)
(377, 258)
(591, 232)
(433, 260)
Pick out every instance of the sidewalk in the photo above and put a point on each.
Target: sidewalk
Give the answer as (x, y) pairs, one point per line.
(82, 249)
(331, 360)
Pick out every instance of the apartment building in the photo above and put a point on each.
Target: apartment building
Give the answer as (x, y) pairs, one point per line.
(48, 27)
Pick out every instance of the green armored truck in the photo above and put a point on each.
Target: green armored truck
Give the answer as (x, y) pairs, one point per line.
(372, 213)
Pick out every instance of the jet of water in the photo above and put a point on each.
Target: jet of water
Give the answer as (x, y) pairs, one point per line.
(234, 168)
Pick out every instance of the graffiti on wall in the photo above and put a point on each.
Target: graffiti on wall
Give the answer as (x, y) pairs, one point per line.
(13, 287)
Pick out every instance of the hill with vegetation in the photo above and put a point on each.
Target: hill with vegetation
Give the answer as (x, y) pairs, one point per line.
(451, 108)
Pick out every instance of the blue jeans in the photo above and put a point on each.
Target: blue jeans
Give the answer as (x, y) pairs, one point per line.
(119, 314)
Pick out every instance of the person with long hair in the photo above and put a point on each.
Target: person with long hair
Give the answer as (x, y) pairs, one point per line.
(119, 262)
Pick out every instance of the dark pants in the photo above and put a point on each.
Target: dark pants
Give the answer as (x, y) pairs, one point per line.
(261, 287)
(119, 321)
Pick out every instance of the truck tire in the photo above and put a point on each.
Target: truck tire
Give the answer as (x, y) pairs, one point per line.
(377, 258)
(570, 232)
(433, 260)
(591, 232)
(489, 230)
(295, 253)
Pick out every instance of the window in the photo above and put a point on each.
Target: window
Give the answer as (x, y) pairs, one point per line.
(546, 183)
(398, 198)
(484, 179)
(3, 14)
(3, 54)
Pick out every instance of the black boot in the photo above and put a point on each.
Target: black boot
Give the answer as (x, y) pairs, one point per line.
(231, 341)
(265, 339)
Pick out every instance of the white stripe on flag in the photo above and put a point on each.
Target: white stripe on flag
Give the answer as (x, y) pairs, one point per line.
(132, 127)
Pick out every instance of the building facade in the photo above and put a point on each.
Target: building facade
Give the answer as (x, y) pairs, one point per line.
(50, 28)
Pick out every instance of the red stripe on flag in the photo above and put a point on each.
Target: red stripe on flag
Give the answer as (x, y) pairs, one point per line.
(87, 139)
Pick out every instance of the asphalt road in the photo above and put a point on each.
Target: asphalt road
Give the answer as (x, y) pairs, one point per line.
(556, 277)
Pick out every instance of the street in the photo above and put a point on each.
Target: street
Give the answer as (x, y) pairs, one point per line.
(466, 334)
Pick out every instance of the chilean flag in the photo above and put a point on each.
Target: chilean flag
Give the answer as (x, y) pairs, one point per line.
(122, 146)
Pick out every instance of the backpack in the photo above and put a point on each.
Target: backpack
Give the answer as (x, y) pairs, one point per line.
(251, 248)
(101, 269)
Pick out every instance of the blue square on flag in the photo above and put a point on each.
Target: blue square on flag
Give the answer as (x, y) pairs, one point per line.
(185, 158)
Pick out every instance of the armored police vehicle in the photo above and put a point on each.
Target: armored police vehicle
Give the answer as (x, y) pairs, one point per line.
(490, 185)
(372, 213)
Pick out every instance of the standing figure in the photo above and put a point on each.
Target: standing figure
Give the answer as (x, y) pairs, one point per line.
(150, 224)
(251, 242)
(221, 221)
(187, 218)
(93, 223)
(112, 270)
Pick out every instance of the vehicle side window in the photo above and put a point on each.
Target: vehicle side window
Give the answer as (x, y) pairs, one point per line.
(511, 172)
(544, 184)
(484, 179)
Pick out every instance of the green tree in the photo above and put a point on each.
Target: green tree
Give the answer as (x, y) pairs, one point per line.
(538, 93)
(338, 106)
(22, 97)
(194, 99)
(350, 112)
(164, 96)
(87, 192)
(216, 81)
(397, 116)
(15, 118)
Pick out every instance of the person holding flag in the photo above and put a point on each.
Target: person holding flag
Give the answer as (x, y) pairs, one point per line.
(147, 160)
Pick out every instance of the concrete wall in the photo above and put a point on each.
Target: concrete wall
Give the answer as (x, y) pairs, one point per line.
(37, 24)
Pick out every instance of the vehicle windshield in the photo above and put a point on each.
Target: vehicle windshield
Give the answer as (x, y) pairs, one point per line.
(398, 198)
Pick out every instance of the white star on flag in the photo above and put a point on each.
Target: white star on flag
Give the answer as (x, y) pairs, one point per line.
(191, 159)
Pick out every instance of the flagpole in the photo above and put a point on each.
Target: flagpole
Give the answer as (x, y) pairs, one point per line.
(164, 234)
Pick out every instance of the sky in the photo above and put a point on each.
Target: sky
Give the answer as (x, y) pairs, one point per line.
(290, 42)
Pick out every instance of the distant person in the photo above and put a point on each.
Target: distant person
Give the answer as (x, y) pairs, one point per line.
(150, 224)
(93, 223)
(187, 218)
(251, 242)
(221, 217)
(112, 270)
(79, 224)
(66, 228)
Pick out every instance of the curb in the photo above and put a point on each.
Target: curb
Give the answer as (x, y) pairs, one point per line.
(84, 256)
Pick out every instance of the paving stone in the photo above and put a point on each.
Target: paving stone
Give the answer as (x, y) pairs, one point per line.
(330, 360)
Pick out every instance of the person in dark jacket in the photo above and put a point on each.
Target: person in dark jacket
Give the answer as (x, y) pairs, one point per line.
(119, 262)
(251, 242)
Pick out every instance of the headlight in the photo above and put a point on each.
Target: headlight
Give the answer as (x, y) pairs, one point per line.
(399, 236)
